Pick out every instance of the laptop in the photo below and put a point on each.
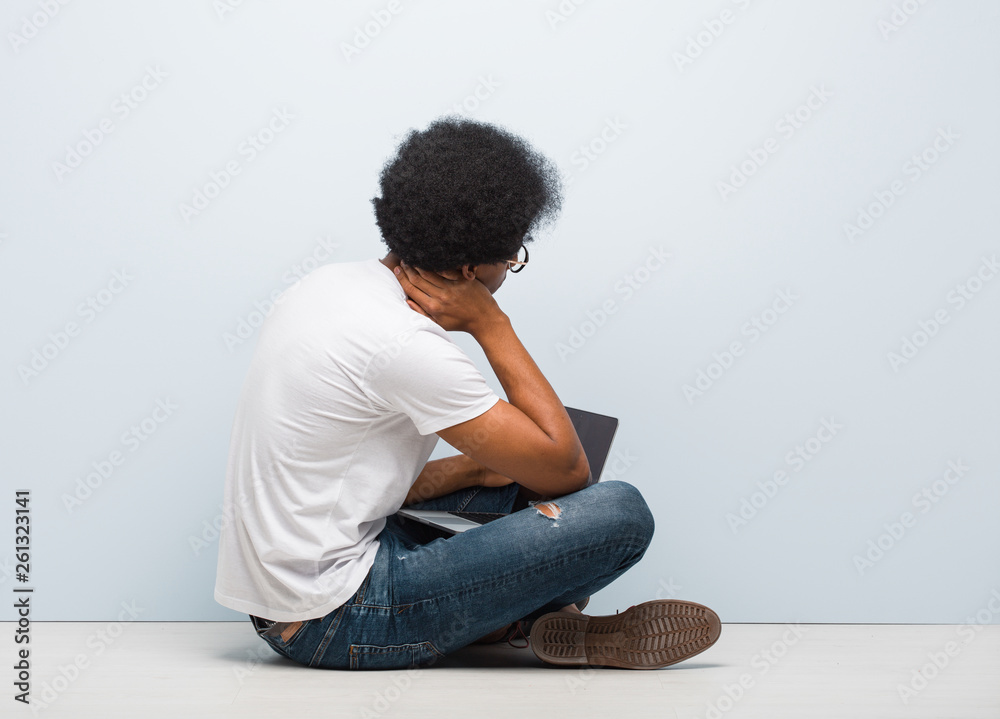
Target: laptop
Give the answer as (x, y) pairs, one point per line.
(596, 433)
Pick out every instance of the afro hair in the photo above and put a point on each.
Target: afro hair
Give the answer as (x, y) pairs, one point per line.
(464, 192)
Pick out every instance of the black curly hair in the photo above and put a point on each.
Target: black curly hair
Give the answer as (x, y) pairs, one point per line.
(464, 192)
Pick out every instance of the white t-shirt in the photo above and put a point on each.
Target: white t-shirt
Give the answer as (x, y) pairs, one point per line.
(337, 416)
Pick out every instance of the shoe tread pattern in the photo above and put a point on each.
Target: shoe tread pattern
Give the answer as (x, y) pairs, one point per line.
(647, 636)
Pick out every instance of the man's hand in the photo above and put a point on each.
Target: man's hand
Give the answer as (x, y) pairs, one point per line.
(454, 300)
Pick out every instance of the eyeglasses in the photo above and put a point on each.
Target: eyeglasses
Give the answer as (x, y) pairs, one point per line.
(518, 264)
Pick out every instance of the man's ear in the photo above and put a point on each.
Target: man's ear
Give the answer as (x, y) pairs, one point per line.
(469, 272)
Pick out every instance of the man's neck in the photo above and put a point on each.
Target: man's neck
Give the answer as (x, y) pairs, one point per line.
(391, 261)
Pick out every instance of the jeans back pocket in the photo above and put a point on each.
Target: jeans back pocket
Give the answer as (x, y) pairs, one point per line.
(280, 635)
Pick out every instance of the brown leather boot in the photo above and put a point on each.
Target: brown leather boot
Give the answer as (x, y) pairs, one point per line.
(650, 635)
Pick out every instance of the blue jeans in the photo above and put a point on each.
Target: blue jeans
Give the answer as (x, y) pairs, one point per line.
(424, 599)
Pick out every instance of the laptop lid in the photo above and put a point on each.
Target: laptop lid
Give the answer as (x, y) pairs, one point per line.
(596, 433)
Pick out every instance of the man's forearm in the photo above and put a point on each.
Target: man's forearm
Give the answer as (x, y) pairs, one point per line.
(443, 476)
(522, 380)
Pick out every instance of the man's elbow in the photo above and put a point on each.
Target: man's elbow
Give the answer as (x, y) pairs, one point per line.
(579, 476)
(572, 475)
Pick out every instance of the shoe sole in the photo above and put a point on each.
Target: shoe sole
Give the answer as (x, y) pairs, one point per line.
(650, 635)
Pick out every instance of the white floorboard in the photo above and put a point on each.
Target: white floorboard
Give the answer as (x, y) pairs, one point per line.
(221, 669)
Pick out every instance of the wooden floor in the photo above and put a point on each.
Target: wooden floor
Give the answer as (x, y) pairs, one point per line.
(221, 669)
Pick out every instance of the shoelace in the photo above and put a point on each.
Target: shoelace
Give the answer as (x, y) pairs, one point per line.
(512, 634)
(518, 628)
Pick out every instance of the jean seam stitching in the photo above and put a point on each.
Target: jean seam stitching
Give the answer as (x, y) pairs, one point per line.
(364, 586)
(327, 637)
(468, 499)
(383, 648)
(500, 580)
(378, 649)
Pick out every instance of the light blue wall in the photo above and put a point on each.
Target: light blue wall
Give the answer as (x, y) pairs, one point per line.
(669, 97)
